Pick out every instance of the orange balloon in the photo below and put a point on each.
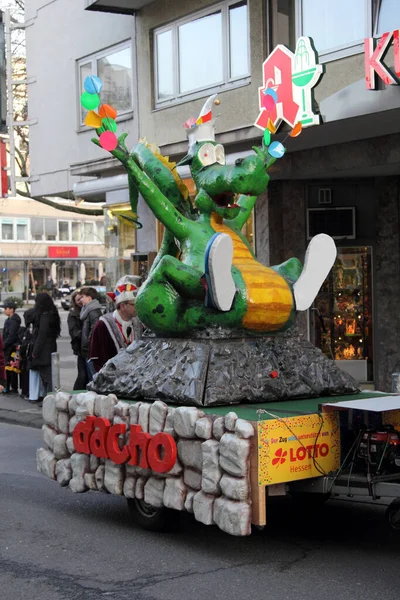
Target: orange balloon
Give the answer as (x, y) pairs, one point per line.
(297, 129)
(107, 111)
(271, 127)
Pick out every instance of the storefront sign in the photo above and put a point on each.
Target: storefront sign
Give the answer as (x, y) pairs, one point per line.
(289, 79)
(97, 436)
(63, 251)
(374, 53)
(298, 448)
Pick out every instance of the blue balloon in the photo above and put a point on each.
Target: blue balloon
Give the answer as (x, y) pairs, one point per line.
(271, 92)
(276, 149)
(93, 84)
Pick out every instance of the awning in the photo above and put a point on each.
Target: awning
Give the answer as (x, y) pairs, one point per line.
(378, 404)
(125, 7)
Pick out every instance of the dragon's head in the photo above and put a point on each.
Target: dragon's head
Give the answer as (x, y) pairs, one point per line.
(218, 183)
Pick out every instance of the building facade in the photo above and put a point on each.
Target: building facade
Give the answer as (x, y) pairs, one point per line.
(37, 241)
(341, 177)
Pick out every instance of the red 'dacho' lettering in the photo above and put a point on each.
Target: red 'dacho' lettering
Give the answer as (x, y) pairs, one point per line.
(97, 436)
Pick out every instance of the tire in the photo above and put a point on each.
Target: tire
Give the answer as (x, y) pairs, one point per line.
(392, 516)
(149, 517)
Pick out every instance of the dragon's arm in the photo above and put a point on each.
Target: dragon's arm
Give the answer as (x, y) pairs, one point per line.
(168, 246)
(246, 204)
(161, 207)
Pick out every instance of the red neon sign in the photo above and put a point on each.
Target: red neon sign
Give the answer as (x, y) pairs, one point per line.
(63, 251)
(374, 53)
(97, 436)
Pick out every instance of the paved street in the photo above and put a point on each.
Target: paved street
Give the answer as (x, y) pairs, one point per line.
(55, 545)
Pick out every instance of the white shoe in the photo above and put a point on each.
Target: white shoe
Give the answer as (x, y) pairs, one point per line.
(319, 259)
(218, 265)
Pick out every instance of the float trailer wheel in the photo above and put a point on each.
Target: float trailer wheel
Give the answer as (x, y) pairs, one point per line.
(150, 517)
(392, 516)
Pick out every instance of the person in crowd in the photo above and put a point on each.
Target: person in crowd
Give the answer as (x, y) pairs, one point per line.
(89, 315)
(75, 331)
(46, 330)
(2, 366)
(25, 351)
(50, 287)
(118, 329)
(11, 341)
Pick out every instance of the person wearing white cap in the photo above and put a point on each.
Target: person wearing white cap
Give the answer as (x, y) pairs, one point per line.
(115, 331)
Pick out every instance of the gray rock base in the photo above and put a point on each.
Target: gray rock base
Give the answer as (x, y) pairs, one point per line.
(215, 371)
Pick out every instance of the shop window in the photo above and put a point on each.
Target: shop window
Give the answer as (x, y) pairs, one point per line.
(114, 67)
(337, 28)
(76, 230)
(50, 226)
(7, 230)
(223, 61)
(342, 314)
(63, 231)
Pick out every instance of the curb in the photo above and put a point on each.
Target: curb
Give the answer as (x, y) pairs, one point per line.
(21, 418)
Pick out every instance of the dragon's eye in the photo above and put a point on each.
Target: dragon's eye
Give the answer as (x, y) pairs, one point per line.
(206, 155)
(220, 154)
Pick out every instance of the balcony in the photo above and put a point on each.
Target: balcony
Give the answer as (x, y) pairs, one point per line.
(127, 7)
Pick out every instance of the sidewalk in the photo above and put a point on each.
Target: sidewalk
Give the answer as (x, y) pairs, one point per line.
(13, 409)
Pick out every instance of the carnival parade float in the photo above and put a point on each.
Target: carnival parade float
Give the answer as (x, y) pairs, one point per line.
(222, 402)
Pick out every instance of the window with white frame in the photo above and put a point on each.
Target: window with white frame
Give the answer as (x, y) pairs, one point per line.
(387, 16)
(114, 67)
(22, 230)
(338, 28)
(63, 231)
(7, 230)
(208, 50)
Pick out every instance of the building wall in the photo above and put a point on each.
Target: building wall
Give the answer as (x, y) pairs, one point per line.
(239, 106)
(63, 32)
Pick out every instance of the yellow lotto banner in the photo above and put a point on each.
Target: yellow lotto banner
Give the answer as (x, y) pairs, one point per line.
(298, 447)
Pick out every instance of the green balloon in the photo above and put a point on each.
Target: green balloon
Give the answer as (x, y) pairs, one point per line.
(109, 124)
(267, 137)
(90, 101)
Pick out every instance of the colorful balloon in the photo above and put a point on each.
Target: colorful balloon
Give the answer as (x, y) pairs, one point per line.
(276, 149)
(297, 129)
(271, 92)
(267, 137)
(109, 124)
(93, 119)
(268, 102)
(93, 84)
(108, 140)
(271, 127)
(90, 101)
(107, 111)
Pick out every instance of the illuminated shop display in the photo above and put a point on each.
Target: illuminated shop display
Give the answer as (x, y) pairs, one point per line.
(342, 316)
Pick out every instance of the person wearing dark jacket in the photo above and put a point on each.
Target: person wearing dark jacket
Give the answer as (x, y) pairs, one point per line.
(46, 330)
(90, 314)
(2, 366)
(75, 331)
(25, 347)
(11, 341)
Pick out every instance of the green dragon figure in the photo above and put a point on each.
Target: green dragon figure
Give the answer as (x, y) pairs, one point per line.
(205, 273)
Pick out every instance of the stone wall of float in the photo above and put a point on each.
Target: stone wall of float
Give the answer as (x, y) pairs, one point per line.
(211, 477)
